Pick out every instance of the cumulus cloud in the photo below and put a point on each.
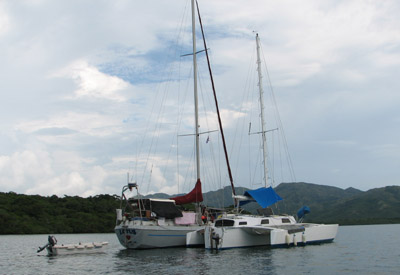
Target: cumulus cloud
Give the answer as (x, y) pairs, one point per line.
(71, 183)
(92, 83)
(60, 173)
(83, 88)
(23, 169)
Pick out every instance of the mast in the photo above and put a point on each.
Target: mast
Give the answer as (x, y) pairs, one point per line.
(196, 111)
(261, 92)
(216, 106)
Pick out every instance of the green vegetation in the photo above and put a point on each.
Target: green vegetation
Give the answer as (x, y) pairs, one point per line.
(24, 214)
(328, 204)
(347, 207)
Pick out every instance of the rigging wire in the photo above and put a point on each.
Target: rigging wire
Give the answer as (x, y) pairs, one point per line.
(279, 121)
(155, 133)
(277, 145)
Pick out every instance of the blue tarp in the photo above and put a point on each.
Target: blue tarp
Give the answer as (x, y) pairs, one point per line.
(263, 196)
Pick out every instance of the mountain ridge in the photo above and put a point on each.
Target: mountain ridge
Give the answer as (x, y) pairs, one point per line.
(34, 214)
(328, 204)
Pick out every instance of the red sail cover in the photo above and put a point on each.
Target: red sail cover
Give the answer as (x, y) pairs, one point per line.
(194, 196)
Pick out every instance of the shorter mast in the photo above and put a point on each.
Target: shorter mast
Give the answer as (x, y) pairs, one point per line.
(261, 92)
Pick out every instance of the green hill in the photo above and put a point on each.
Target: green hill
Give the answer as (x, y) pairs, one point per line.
(33, 214)
(328, 204)
(25, 214)
(334, 205)
(380, 205)
(320, 199)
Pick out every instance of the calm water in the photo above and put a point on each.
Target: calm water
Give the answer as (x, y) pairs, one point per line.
(357, 249)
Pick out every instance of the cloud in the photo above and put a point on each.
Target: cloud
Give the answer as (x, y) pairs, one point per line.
(60, 173)
(72, 183)
(54, 131)
(228, 117)
(23, 169)
(85, 84)
(92, 83)
(92, 124)
(4, 20)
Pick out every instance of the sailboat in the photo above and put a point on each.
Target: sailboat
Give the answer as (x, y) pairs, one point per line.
(238, 230)
(159, 223)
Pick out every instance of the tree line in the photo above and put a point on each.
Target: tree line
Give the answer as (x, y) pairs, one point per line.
(34, 214)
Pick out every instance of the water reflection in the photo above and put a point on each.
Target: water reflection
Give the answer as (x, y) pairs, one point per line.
(354, 251)
(170, 260)
(195, 260)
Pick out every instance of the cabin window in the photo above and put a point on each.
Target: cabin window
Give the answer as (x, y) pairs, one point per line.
(266, 221)
(220, 223)
(242, 223)
(285, 220)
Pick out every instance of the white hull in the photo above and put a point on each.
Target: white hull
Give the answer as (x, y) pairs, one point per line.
(313, 234)
(153, 236)
(195, 238)
(274, 235)
(81, 248)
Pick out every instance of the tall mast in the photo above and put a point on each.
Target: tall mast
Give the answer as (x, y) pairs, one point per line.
(260, 88)
(196, 111)
(216, 105)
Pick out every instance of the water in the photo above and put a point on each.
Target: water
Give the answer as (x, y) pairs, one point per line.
(368, 249)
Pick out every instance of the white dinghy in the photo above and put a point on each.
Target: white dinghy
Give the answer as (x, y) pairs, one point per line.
(67, 249)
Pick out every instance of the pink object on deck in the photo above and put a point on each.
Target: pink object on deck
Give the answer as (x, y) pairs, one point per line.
(188, 218)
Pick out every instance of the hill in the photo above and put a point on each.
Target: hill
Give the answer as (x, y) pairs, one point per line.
(27, 214)
(380, 205)
(328, 204)
(344, 206)
(33, 214)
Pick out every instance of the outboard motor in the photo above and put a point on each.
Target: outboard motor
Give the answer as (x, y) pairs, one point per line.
(51, 241)
(215, 239)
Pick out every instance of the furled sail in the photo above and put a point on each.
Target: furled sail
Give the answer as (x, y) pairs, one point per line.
(193, 196)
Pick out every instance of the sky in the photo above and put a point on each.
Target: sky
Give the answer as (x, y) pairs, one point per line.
(81, 83)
